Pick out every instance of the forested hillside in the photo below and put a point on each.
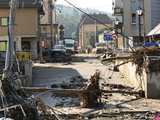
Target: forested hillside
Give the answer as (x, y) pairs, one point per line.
(70, 18)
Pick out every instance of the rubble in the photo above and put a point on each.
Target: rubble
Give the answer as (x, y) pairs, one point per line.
(118, 88)
(76, 93)
(17, 105)
(125, 115)
(76, 82)
(139, 58)
(91, 95)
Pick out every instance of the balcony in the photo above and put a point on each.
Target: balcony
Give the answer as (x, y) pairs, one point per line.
(117, 11)
(117, 4)
(117, 7)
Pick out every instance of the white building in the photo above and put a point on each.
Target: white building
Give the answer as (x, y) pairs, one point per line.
(125, 11)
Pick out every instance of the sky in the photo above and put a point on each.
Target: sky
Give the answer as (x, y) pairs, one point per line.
(101, 5)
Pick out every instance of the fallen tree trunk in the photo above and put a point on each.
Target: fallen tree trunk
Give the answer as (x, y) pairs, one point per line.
(76, 92)
(140, 93)
(116, 58)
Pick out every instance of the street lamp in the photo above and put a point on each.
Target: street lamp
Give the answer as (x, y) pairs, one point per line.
(140, 13)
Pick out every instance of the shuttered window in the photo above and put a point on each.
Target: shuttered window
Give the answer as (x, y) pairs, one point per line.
(4, 21)
(3, 46)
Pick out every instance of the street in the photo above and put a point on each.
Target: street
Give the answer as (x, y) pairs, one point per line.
(80, 60)
(60, 75)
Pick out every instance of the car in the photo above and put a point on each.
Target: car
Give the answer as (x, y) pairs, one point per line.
(100, 48)
(58, 54)
(59, 48)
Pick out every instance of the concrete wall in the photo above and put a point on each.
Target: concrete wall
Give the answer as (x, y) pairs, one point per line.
(153, 85)
(28, 72)
(27, 77)
(149, 82)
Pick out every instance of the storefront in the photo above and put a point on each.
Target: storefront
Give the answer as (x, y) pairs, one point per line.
(153, 37)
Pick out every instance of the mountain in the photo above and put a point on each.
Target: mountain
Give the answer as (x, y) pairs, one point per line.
(70, 18)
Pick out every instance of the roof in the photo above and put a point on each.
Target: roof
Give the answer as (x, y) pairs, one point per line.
(21, 3)
(154, 31)
(103, 18)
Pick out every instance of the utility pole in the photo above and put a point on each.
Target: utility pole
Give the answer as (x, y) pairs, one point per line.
(40, 39)
(10, 53)
(51, 22)
(53, 8)
(95, 32)
(55, 21)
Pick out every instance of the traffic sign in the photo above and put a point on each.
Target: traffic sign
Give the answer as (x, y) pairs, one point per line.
(107, 37)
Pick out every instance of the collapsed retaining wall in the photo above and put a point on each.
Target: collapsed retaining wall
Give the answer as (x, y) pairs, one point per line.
(149, 81)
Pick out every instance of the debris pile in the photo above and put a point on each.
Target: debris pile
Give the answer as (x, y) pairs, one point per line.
(91, 94)
(118, 88)
(46, 112)
(88, 94)
(76, 82)
(124, 115)
(140, 57)
(17, 105)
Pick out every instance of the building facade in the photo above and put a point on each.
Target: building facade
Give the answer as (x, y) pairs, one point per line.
(49, 26)
(125, 12)
(26, 25)
(89, 28)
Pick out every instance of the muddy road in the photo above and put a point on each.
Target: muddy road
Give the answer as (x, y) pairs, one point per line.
(115, 106)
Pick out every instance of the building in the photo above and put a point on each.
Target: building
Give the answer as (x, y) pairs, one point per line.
(127, 21)
(49, 26)
(125, 12)
(89, 28)
(26, 25)
(153, 37)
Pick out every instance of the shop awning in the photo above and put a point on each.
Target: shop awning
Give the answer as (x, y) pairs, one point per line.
(154, 32)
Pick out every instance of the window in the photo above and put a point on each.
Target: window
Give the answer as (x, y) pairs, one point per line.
(3, 46)
(4, 21)
(133, 18)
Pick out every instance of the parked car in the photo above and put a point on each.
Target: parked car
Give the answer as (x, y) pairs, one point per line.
(59, 48)
(58, 54)
(100, 48)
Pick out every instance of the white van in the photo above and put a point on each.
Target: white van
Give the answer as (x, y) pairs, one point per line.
(69, 45)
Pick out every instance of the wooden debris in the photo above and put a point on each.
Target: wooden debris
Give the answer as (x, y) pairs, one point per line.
(122, 113)
(116, 58)
(138, 57)
(90, 97)
(46, 113)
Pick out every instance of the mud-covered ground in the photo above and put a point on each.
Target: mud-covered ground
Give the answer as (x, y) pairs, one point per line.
(74, 75)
